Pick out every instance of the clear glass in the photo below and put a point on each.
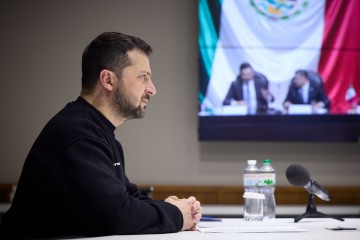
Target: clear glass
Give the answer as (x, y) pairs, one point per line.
(253, 209)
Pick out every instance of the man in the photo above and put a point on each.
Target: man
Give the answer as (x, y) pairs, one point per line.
(305, 91)
(73, 181)
(249, 89)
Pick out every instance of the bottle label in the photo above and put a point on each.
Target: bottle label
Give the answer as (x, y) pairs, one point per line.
(250, 179)
(267, 179)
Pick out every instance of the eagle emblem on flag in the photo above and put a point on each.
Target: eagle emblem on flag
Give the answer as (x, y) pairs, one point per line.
(279, 9)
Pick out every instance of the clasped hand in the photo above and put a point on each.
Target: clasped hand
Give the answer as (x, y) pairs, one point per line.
(190, 209)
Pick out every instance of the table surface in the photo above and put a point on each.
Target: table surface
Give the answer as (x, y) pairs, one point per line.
(316, 226)
(316, 230)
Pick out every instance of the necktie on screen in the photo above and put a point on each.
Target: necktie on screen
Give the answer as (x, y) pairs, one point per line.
(247, 93)
(301, 92)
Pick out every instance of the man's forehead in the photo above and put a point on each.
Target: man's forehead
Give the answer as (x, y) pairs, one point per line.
(299, 75)
(247, 70)
(140, 61)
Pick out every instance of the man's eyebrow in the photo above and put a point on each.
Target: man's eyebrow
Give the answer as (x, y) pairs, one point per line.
(144, 72)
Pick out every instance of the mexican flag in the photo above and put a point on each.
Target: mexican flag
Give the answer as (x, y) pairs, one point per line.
(278, 37)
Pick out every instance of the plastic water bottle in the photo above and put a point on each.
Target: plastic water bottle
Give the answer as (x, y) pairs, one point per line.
(251, 177)
(250, 185)
(267, 183)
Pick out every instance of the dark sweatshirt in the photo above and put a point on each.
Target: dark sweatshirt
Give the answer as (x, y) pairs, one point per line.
(73, 183)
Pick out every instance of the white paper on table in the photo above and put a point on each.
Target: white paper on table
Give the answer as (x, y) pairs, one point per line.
(251, 229)
(230, 227)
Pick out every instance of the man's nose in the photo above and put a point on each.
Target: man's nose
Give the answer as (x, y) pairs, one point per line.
(150, 89)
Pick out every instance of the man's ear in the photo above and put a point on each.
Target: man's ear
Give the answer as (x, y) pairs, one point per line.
(107, 79)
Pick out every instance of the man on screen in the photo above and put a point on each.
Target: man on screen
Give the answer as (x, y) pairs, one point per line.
(250, 89)
(304, 90)
(73, 182)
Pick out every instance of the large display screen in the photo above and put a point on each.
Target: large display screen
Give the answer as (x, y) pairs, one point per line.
(284, 70)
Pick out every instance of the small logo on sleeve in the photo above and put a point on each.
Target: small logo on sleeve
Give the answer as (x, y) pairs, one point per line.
(117, 164)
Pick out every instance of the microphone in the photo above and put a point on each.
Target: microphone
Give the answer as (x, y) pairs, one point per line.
(298, 176)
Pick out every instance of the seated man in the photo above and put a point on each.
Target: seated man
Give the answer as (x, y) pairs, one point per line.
(249, 89)
(73, 182)
(305, 91)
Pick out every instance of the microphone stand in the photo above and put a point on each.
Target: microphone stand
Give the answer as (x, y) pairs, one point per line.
(311, 211)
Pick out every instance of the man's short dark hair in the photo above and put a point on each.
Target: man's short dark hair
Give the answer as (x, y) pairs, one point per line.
(245, 65)
(302, 73)
(109, 51)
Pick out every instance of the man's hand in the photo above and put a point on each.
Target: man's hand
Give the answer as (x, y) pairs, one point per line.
(318, 105)
(266, 95)
(242, 103)
(287, 105)
(190, 209)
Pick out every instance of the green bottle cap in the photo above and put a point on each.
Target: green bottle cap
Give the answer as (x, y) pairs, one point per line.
(267, 161)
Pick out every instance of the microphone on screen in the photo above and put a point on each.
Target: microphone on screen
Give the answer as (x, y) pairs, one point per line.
(298, 176)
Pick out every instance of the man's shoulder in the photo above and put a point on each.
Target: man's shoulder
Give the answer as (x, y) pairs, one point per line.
(237, 82)
(75, 121)
(72, 116)
(260, 78)
(314, 85)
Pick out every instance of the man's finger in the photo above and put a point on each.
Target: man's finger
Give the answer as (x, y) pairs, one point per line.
(193, 228)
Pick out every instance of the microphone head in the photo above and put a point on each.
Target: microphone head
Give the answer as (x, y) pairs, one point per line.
(297, 175)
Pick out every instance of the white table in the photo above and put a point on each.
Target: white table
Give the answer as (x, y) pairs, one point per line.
(315, 226)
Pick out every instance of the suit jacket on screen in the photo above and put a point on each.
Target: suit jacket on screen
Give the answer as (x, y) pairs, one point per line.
(236, 91)
(316, 94)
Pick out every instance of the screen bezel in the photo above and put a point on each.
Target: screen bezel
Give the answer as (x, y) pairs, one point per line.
(310, 128)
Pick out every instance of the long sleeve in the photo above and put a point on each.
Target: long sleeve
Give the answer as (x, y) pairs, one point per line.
(116, 205)
(230, 95)
(73, 183)
(323, 98)
(289, 96)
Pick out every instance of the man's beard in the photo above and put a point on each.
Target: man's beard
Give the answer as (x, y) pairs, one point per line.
(123, 106)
